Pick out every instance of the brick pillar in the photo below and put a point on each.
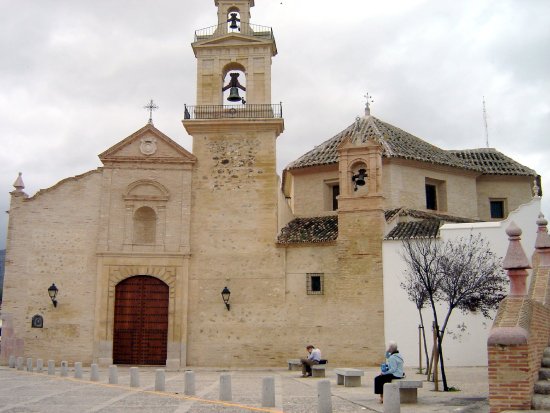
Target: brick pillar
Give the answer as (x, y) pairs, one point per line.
(510, 363)
(539, 290)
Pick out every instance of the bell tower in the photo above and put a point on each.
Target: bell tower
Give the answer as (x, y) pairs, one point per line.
(234, 47)
(234, 201)
(361, 231)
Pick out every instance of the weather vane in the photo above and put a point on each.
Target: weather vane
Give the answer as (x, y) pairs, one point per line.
(151, 107)
(370, 100)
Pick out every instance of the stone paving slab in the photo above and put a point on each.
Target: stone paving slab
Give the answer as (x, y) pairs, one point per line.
(22, 392)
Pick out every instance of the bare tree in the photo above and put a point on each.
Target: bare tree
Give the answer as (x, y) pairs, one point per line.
(462, 273)
(418, 296)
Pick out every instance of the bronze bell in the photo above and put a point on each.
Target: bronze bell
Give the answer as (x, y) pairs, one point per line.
(234, 95)
(359, 179)
(233, 20)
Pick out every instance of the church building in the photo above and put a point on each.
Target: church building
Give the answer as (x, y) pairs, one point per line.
(166, 257)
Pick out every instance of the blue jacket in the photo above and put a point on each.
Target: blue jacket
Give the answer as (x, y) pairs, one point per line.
(395, 365)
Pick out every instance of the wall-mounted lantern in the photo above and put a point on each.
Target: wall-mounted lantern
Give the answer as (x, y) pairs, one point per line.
(225, 295)
(52, 292)
(359, 178)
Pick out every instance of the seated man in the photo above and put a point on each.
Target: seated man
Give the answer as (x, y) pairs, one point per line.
(313, 357)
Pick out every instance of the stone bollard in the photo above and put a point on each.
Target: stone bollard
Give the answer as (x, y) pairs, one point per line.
(134, 377)
(324, 397)
(64, 368)
(11, 362)
(19, 363)
(94, 372)
(160, 380)
(113, 375)
(29, 364)
(225, 387)
(189, 383)
(268, 392)
(51, 367)
(392, 399)
(39, 365)
(78, 370)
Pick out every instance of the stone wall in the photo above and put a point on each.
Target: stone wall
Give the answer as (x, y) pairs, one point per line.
(233, 232)
(310, 190)
(2, 266)
(52, 239)
(513, 189)
(403, 184)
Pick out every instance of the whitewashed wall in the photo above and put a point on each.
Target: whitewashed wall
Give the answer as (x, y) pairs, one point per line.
(465, 343)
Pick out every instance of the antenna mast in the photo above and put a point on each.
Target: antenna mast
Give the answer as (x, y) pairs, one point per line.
(485, 123)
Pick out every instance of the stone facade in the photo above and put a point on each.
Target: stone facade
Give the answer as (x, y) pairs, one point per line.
(2, 266)
(212, 219)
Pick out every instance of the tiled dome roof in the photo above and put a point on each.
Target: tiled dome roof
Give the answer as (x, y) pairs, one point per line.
(395, 143)
(492, 162)
(400, 144)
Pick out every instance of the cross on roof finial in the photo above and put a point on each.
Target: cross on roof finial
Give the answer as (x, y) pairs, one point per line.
(151, 107)
(370, 100)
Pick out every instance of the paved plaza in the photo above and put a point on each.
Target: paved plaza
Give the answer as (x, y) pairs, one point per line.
(22, 392)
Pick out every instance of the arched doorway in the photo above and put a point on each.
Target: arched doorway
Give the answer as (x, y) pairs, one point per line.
(141, 321)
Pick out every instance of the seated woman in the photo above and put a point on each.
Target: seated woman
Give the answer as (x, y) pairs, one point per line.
(393, 370)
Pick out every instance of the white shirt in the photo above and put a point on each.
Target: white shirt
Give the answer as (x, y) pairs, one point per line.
(315, 355)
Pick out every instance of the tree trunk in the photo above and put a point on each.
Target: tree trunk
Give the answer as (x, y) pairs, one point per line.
(425, 344)
(443, 376)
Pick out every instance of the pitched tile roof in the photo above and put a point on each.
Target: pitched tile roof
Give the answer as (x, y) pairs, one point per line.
(400, 144)
(325, 229)
(395, 143)
(425, 224)
(427, 228)
(418, 214)
(492, 162)
(310, 230)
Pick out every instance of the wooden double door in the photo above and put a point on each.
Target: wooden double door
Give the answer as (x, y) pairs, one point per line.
(141, 321)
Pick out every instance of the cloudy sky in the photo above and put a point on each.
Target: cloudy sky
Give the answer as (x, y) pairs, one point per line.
(75, 75)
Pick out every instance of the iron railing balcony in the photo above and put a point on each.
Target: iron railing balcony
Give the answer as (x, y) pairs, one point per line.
(246, 111)
(244, 28)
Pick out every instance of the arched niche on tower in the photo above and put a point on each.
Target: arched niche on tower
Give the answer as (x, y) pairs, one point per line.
(234, 80)
(354, 158)
(358, 174)
(233, 19)
(226, 7)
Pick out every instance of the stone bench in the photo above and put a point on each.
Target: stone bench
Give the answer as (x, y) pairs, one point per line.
(349, 377)
(294, 364)
(408, 390)
(318, 370)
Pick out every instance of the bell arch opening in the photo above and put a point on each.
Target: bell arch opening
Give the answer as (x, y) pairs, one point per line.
(359, 176)
(233, 19)
(234, 81)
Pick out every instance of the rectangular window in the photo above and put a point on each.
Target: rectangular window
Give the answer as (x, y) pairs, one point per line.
(431, 197)
(335, 193)
(331, 190)
(436, 194)
(497, 208)
(315, 283)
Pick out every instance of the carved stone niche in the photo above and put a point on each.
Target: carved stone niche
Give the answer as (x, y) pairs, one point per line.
(145, 219)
